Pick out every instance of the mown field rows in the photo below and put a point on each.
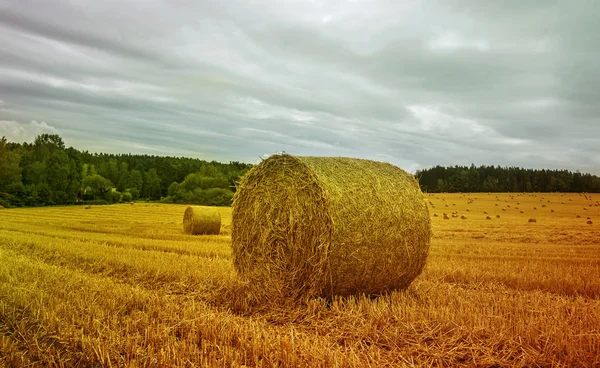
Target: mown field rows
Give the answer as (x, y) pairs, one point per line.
(123, 285)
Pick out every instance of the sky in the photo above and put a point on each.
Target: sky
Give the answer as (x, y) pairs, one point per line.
(414, 83)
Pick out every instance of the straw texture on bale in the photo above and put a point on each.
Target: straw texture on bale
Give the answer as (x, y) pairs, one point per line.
(201, 221)
(324, 226)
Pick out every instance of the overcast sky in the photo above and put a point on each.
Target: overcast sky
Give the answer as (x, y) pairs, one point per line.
(415, 83)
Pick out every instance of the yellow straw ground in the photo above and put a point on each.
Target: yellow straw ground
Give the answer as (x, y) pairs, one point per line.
(123, 285)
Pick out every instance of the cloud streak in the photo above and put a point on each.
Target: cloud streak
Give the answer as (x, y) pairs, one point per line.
(415, 83)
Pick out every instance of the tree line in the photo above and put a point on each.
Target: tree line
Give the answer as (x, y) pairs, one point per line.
(505, 179)
(46, 172)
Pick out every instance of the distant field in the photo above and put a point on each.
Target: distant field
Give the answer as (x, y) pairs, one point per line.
(122, 285)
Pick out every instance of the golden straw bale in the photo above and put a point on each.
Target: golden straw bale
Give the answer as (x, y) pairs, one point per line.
(324, 226)
(202, 221)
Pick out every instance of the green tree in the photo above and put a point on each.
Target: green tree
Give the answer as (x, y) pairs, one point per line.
(126, 197)
(97, 186)
(151, 187)
(123, 178)
(10, 172)
(135, 181)
(46, 144)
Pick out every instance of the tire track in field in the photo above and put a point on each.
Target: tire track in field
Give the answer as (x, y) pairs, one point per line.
(144, 246)
(172, 272)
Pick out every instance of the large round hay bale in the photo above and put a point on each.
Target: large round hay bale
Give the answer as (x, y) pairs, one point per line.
(324, 226)
(202, 221)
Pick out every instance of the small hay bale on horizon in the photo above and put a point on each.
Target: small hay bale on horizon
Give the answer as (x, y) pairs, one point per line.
(201, 221)
(325, 226)
(589, 222)
(532, 220)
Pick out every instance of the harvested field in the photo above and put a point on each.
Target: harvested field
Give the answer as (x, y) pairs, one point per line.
(123, 285)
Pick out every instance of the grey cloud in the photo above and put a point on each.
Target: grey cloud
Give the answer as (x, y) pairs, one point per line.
(414, 83)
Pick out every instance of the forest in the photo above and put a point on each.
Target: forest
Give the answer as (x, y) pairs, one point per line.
(46, 172)
(504, 179)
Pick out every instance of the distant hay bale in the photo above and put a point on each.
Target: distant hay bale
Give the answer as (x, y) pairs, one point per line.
(532, 220)
(88, 207)
(463, 217)
(589, 222)
(201, 221)
(488, 218)
(324, 226)
(435, 215)
(131, 203)
(497, 216)
(551, 210)
(578, 216)
(446, 216)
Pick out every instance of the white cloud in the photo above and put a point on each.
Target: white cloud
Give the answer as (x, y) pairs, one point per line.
(326, 19)
(450, 41)
(435, 121)
(17, 132)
